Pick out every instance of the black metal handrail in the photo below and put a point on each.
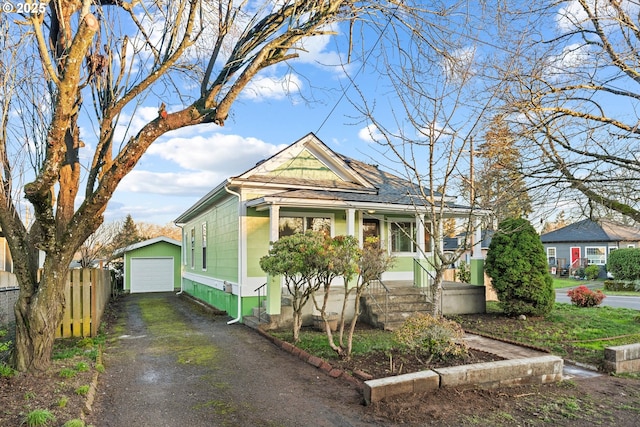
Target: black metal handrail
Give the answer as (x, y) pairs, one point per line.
(376, 287)
(260, 300)
(427, 291)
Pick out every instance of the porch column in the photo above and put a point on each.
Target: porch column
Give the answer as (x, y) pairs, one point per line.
(420, 236)
(477, 261)
(351, 222)
(273, 282)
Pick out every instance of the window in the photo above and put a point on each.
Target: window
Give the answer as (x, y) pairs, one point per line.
(403, 237)
(185, 245)
(204, 246)
(596, 255)
(299, 224)
(551, 256)
(193, 247)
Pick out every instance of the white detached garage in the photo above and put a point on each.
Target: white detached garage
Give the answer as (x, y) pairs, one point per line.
(152, 265)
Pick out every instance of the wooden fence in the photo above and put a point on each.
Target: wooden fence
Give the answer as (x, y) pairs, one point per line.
(86, 295)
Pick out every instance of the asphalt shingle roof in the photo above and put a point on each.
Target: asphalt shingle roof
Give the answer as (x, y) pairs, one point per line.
(592, 231)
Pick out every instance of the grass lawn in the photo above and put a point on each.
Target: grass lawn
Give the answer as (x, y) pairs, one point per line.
(559, 283)
(572, 332)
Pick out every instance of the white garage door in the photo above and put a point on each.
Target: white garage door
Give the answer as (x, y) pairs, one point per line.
(151, 275)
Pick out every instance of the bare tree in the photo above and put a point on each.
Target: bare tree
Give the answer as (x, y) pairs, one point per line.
(149, 231)
(575, 101)
(96, 63)
(444, 93)
(99, 245)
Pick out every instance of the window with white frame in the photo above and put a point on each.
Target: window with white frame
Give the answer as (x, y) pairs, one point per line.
(185, 241)
(204, 245)
(193, 247)
(551, 256)
(596, 255)
(289, 225)
(403, 236)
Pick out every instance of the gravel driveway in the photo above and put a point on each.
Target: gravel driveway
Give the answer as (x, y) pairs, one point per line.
(170, 363)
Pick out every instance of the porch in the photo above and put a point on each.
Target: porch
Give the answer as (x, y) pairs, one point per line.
(385, 304)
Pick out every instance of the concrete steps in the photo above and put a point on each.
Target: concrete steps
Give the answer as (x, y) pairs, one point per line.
(402, 303)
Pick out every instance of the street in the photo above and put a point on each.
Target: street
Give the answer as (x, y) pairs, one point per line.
(610, 301)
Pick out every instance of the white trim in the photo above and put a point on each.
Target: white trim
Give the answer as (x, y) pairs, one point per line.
(261, 204)
(206, 281)
(604, 250)
(319, 150)
(144, 243)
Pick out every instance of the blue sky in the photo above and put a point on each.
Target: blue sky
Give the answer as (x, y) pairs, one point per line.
(282, 105)
(279, 108)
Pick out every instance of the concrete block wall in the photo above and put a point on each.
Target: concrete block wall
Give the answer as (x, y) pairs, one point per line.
(622, 358)
(533, 370)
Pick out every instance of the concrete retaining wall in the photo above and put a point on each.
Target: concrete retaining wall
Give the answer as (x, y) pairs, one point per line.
(622, 358)
(533, 370)
(461, 298)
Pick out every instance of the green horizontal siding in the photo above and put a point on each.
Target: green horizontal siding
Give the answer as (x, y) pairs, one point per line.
(219, 299)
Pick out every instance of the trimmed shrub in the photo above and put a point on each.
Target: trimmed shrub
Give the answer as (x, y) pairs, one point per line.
(622, 285)
(624, 264)
(430, 336)
(585, 297)
(592, 272)
(517, 265)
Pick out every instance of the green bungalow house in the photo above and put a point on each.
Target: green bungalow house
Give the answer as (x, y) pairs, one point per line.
(305, 186)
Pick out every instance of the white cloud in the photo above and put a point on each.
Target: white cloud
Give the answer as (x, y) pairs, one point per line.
(458, 65)
(170, 183)
(572, 57)
(226, 155)
(262, 87)
(370, 133)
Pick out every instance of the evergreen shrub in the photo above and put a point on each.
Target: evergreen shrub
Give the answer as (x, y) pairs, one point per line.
(517, 265)
(624, 264)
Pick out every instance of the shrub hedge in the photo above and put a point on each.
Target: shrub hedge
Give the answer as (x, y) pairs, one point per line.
(624, 264)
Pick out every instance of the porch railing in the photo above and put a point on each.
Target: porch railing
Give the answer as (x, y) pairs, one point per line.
(260, 300)
(423, 279)
(378, 288)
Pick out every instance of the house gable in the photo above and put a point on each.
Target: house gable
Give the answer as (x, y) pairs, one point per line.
(306, 163)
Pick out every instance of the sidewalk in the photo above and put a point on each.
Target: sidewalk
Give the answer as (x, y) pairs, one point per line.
(512, 351)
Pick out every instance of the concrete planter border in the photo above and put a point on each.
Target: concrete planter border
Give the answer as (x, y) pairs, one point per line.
(533, 370)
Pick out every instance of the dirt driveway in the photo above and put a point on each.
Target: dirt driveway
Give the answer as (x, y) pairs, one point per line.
(170, 363)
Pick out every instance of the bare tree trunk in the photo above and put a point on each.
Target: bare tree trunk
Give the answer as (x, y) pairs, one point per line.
(38, 314)
(436, 310)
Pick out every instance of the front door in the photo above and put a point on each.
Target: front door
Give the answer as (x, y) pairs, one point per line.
(370, 228)
(575, 255)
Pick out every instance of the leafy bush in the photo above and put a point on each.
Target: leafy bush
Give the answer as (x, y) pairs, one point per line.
(624, 264)
(6, 370)
(585, 297)
(82, 390)
(622, 285)
(426, 335)
(592, 272)
(517, 265)
(74, 423)
(463, 274)
(39, 417)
